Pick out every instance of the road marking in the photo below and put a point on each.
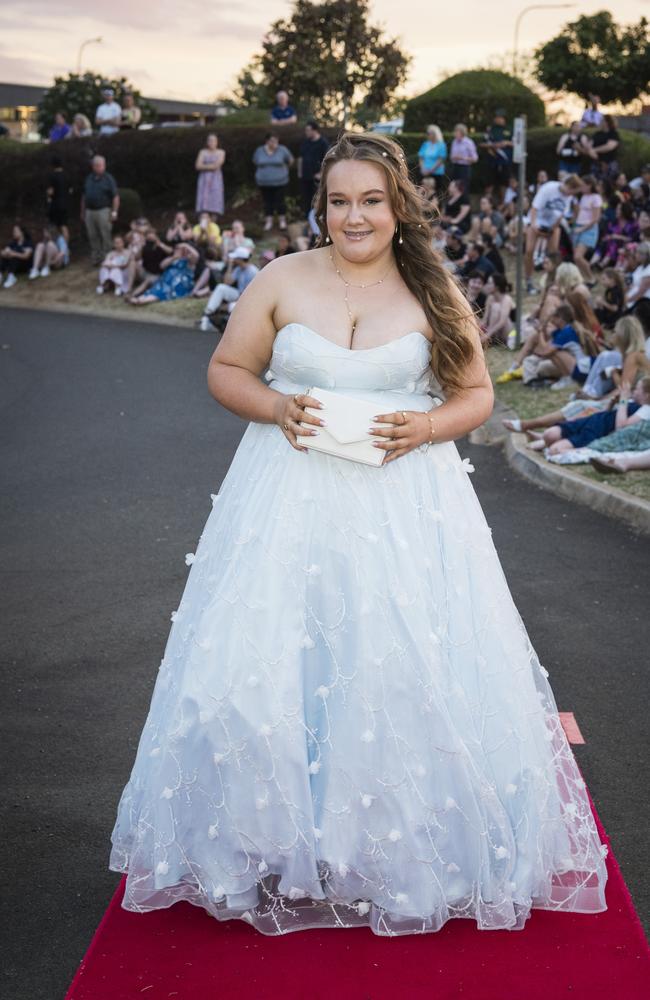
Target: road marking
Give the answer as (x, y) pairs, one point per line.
(571, 728)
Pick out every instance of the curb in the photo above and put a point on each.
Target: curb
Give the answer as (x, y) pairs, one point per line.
(572, 486)
(135, 315)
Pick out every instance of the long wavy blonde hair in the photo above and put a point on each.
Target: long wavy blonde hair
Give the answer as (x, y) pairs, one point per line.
(421, 266)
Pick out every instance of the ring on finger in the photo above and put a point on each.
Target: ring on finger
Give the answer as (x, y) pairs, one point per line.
(404, 415)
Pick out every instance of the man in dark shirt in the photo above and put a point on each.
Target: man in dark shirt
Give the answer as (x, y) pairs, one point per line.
(282, 113)
(57, 198)
(312, 150)
(100, 204)
(499, 146)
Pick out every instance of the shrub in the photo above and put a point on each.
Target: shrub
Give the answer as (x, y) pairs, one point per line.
(472, 98)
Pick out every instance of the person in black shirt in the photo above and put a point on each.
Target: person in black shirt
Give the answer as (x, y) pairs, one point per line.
(609, 306)
(57, 198)
(312, 150)
(571, 149)
(605, 149)
(492, 254)
(154, 252)
(454, 246)
(16, 257)
(458, 209)
(499, 146)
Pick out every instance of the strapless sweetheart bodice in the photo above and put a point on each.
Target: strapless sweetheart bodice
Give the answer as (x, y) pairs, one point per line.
(301, 358)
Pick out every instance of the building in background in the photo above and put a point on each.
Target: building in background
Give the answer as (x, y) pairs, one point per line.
(19, 111)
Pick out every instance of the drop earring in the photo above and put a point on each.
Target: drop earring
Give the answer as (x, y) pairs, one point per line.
(401, 239)
(327, 238)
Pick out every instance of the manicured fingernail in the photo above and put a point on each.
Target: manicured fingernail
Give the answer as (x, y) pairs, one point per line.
(376, 444)
(323, 423)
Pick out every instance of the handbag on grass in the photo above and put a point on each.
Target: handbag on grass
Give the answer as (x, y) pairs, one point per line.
(348, 423)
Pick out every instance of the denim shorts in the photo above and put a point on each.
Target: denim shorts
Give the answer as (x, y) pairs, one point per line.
(589, 237)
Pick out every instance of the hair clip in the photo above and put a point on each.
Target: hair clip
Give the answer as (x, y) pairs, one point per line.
(384, 153)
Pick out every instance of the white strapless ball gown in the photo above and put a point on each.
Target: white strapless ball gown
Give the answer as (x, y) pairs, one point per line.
(350, 725)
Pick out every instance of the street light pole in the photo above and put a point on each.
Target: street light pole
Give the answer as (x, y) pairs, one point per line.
(535, 6)
(89, 41)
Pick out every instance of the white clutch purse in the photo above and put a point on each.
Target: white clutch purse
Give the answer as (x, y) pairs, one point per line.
(348, 421)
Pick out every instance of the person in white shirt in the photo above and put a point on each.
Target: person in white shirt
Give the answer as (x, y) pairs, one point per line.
(591, 116)
(547, 211)
(109, 114)
(640, 287)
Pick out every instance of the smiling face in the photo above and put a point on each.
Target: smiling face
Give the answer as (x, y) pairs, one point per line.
(360, 218)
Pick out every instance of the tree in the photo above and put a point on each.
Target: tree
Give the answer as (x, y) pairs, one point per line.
(596, 55)
(75, 94)
(472, 97)
(333, 63)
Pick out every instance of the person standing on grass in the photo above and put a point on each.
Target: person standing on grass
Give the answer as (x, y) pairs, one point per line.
(209, 189)
(586, 228)
(312, 150)
(546, 213)
(100, 204)
(57, 198)
(432, 156)
(272, 162)
(463, 154)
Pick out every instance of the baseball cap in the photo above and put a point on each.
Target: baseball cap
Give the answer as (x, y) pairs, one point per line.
(241, 253)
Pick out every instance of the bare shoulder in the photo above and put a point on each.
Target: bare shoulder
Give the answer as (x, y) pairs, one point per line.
(303, 262)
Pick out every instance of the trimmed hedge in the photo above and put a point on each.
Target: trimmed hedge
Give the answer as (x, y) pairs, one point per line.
(472, 98)
(158, 165)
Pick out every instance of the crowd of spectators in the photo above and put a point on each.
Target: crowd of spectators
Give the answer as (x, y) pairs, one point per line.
(586, 238)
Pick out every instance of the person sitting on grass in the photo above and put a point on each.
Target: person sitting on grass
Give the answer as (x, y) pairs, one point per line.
(149, 266)
(582, 432)
(626, 362)
(176, 280)
(16, 257)
(488, 221)
(180, 230)
(563, 349)
(238, 276)
(206, 233)
(609, 306)
(618, 234)
(113, 272)
(492, 254)
(51, 254)
(476, 296)
(537, 319)
(499, 307)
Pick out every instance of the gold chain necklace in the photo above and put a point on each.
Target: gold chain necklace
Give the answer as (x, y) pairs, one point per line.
(349, 285)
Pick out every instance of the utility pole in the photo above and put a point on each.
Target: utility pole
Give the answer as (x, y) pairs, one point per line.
(519, 157)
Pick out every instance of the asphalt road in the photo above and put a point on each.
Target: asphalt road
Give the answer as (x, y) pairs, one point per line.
(110, 446)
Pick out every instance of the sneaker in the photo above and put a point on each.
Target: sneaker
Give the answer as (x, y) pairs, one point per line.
(530, 288)
(45, 272)
(10, 281)
(205, 324)
(118, 291)
(562, 383)
(100, 289)
(504, 377)
(34, 273)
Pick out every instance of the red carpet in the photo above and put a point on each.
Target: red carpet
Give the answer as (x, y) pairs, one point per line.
(184, 954)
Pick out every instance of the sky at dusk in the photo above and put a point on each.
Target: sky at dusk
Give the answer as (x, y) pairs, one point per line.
(193, 49)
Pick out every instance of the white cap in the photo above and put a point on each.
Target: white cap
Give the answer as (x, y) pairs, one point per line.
(241, 253)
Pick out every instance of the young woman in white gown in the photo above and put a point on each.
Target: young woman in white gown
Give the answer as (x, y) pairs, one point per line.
(350, 725)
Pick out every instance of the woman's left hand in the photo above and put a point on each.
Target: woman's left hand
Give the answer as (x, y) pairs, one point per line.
(409, 429)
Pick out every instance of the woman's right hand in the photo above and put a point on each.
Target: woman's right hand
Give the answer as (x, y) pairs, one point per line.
(290, 412)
